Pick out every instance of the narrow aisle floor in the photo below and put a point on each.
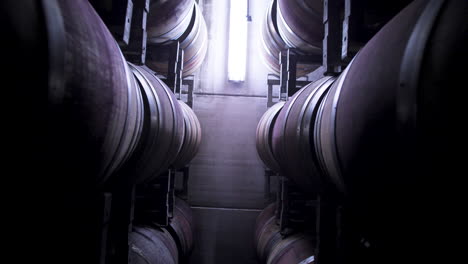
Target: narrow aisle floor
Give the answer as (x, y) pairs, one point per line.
(227, 184)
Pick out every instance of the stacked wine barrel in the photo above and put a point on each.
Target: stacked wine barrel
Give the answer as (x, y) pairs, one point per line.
(152, 245)
(95, 106)
(349, 129)
(291, 139)
(273, 248)
(105, 114)
(106, 119)
(384, 128)
(264, 136)
(192, 137)
(171, 244)
(291, 24)
(182, 21)
(173, 131)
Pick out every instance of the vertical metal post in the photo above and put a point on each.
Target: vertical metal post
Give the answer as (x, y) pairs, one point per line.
(189, 81)
(288, 65)
(291, 66)
(186, 173)
(136, 50)
(268, 174)
(351, 38)
(178, 75)
(175, 68)
(155, 200)
(328, 228)
(278, 197)
(170, 198)
(190, 95)
(283, 76)
(284, 210)
(105, 200)
(122, 220)
(161, 200)
(172, 67)
(128, 21)
(332, 37)
(270, 95)
(272, 81)
(346, 28)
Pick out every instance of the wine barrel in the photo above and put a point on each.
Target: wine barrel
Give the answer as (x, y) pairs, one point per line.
(300, 24)
(194, 42)
(192, 137)
(267, 232)
(163, 131)
(273, 248)
(182, 227)
(271, 44)
(298, 248)
(292, 139)
(94, 107)
(388, 129)
(168, 20)
(374, 106)
(264, 136)
(262, 218)
(152, 245)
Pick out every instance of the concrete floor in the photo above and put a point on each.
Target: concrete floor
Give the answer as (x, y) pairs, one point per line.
(227, 171)
(226, 185)
(224, 236)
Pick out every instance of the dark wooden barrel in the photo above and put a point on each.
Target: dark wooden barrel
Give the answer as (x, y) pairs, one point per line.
(194, 42)
(300, 24)
(168, 20)
(192, 137)
(163, 131)
(387, 133)
(298, 248)
(271, 44)
(267, 232)
(273, 248)
(264, 136)
(94, 107)
(182, 227)
(152, 245)
(358, 130)
(262, 218)
(292, 139)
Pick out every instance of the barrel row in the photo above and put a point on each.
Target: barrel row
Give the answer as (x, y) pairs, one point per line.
(164, 245)
(173, 131)
(105, 115)
(361, 131)
(180, 21)
(95, 109)
(291, 24)
(274, 248)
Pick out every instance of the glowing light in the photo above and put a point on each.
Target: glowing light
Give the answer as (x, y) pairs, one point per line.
(237, 56)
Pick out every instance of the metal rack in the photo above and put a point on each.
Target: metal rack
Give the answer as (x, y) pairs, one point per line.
(320, 215)
(127, 21)
(174, 78)
(124, 203)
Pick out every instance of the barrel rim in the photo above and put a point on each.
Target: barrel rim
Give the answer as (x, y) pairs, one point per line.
(334, 170)
(155, 127)
(283, 26)
(264, 135)
(171, 34)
